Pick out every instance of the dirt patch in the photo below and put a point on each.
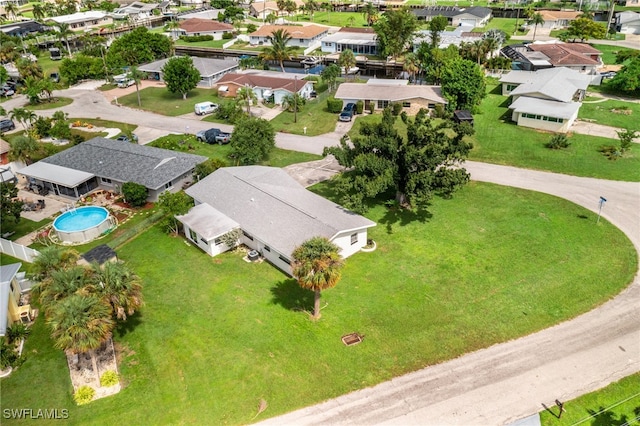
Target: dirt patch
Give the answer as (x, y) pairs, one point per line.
(623, 111)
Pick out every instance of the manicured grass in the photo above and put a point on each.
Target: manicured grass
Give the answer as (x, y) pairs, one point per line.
(314, 116)
(336, 19)
(605, 89)
(609, 52)
(374, 118)
(24, 226)
(612, 113)
(608, 406)
(498, 140)
(277, 158)
(216, 335)
(508, 25)
(161, 101)
(57, 103)
(98, 122)
(209, 43)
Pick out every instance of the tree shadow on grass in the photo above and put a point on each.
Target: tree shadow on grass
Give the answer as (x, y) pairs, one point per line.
(129, 325)
(289, 295)
(604, 417)
(396, 215)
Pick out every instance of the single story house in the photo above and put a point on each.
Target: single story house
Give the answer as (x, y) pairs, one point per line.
(107, 164)
(535, 56)
(274, 212)
(139, 11)
(359, 40)
(381, 93)
(264, 87)
(547, 99)
(301, 36)
(555, 19)
(263, 9)
(628, 22)
(22, 28)
(474, 16)
(199, 26)
(82, 21)
(211, 70)
(462, 34)
(12, 284)
(202, 14)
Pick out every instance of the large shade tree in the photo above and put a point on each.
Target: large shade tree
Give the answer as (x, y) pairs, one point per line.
(427, 162)
(10, 205)
(252, 141)
(317, 266)
(278, 49)
(180, 75)
(395, 31)
(463, 84)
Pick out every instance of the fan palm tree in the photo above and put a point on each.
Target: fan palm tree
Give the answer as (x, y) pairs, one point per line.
(38, 11)
(120, 288)
(61, 284)
(311, 7)
(23, 116)
(536, 19)
(490, 45)
(52, 258)
(369, 11)
(23, 149)
(278, 49)
(63, 32)
(136, 75)
(173, 26)
(317, 266)
(81, 324)
(411, 65)
(246, 96)
(12, 10)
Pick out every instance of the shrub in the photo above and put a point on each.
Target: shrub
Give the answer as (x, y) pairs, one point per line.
(109, 378)
(251, 28)
(320, 87)
(612, 152)
(397, 109)
(77, 139)
(84, 395)
(135, 194)
(42, 126)
(193, 39)
(359, 107)
(8, 356)
(334, 105)
(17, 331)
(229, 111)
(227, 36)
(558, 142)
(441, 112)
(372, 107)
(404, 117)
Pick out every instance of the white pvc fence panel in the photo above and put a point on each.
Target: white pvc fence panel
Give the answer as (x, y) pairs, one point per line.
(18, 250)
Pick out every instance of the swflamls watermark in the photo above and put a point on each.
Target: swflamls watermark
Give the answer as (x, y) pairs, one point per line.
(35, 413)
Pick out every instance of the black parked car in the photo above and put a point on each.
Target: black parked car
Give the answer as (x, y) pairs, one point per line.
(7, 125)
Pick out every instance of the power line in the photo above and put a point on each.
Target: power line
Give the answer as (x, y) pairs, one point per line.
(605, 409)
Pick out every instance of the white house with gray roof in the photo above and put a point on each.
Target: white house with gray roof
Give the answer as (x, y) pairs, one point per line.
(275, 213)
(211, 70)
(547, 99)
(107, 164)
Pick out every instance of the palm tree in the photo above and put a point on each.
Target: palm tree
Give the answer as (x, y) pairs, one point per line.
(369, 11)
(347, 60)
(246, 96)
(23, 116)
(120, 288)
(490, 45)
(63, 32)
(38, 11)
(12, 9)
(536, 19)
(62, 283)
(478, 48)
(317, 266)
(311, 7)
(136, 75)
(52, 258)
(279, 49)
(23, 149)
(411, 65)
(80, 324)
(174, 25)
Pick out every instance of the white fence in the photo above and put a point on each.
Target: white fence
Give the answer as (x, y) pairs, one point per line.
(18, 250)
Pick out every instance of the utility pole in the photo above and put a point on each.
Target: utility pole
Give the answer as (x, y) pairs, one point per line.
(613, 5)
(295, 98)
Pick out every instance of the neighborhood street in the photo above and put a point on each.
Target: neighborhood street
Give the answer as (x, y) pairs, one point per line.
(496, 385)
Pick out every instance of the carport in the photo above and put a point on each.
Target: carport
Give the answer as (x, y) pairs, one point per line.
(60, 180)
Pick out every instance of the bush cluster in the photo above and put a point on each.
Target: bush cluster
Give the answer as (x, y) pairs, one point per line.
(84, 395)
(193, 39)
(109, 378)
(334, 105)
(558, 142)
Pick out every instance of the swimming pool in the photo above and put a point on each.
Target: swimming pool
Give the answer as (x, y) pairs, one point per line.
(82, 224)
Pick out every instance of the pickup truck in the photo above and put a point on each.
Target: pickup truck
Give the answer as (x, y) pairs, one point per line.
(212, 136)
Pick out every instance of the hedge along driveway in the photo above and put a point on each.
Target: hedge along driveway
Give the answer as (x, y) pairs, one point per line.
(217, 335)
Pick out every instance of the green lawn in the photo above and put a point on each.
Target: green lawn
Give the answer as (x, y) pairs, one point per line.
(507, 25)
(98, 122)
(161, 101)
(336, 19)
(217, 335)
(210, 43)
(609, 52)
(612, 113)
(277, 158)
(314, 116)
(497, 140)
(57, 103)
(617, 404)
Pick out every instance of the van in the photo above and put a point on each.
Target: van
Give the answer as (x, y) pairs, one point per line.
(55, 54)
(205, 108)
(126, 83)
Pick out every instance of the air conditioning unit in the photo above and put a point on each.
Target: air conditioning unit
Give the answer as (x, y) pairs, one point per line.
(25, 317)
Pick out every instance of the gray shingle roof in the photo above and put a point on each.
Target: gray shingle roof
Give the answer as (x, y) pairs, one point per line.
(126, 162)
(391, 92)
(560, 84)
(207, 67)
(270, 205)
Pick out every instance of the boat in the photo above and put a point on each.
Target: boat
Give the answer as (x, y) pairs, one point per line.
(311, 61)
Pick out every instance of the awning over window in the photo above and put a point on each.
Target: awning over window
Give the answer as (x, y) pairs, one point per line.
(223, 88)
(55, 174)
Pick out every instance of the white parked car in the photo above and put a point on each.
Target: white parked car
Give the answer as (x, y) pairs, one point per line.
(126, 83)
(205, 108)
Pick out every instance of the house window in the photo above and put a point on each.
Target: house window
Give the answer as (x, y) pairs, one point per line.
(204, 241)
(406, 104)
(382, 104)
(247, 235)
(354, 238)
(105, 180)
(192, 235)
(267, 248)
(168, 185)
(510, 87)
(217, 241)
(285, 260)
(431, 106)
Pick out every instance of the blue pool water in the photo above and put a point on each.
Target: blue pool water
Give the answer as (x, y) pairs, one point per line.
(80, 219)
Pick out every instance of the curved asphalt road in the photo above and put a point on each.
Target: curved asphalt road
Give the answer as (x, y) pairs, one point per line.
(495, 385)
